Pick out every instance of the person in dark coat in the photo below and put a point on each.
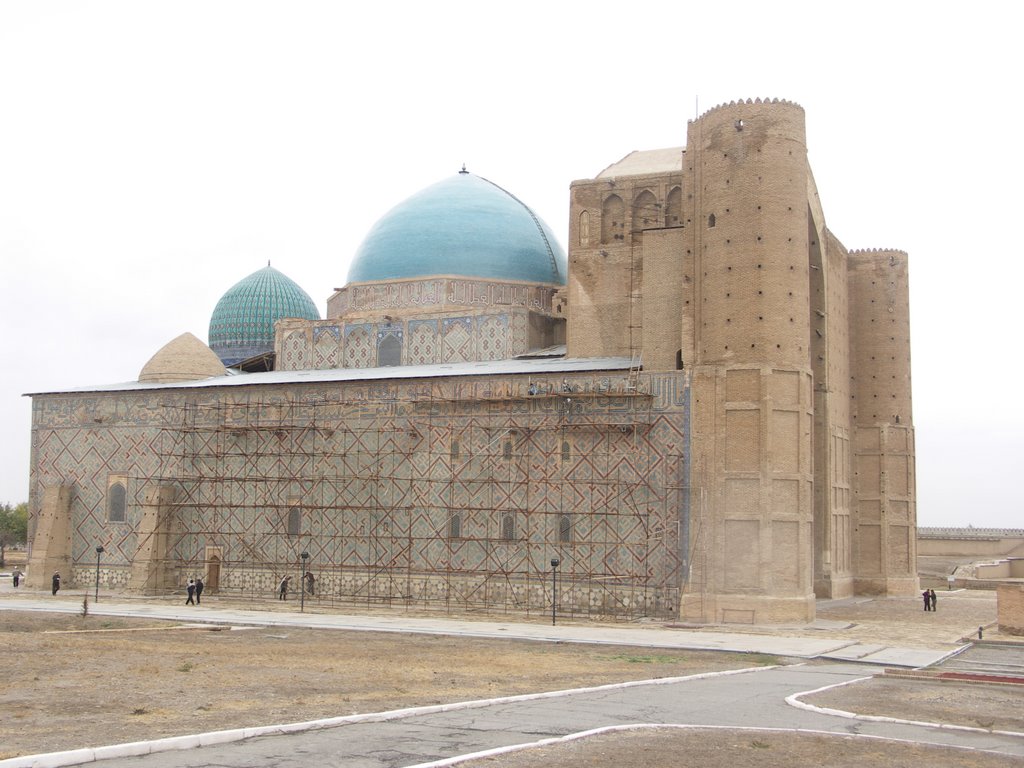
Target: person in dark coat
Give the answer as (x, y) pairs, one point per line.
(927, 600)
(55, 582)
(932, 598)
(199, 588)
(191, 587)
(310, 580)
(282, 588)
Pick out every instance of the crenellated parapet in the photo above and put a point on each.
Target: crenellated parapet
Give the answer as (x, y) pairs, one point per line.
(878, 251)
(749, 102)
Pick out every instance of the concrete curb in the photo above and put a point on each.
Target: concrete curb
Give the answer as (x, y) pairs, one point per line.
(794, 701)
(170, 744)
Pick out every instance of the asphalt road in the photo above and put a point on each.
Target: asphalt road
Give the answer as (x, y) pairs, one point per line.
(755, 699)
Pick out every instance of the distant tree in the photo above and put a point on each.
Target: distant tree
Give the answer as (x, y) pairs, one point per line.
(13, 526)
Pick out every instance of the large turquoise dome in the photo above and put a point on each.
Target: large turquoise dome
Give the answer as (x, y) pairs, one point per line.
(467, 226)
(242, 325)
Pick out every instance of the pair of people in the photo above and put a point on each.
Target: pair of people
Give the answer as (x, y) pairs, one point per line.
(929, 599)
(282, 587)
(195, 590)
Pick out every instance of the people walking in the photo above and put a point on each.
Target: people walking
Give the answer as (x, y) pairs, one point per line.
(927, 600)
(55, 582)
(932, 598)
(310, 580)
(191, 587)
(199, 589)
(16, 576)
(282, 588)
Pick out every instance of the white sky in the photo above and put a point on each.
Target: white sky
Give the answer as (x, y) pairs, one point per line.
(153, 154)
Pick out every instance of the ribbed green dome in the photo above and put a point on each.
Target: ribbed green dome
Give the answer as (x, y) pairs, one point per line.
(242, 324)
(464, 225)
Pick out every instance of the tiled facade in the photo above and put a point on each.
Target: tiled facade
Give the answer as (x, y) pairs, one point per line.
(377, 471)
(423, 322)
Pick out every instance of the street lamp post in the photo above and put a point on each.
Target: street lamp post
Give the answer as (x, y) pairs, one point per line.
(99, 551)
(302, 583)
(554, 587)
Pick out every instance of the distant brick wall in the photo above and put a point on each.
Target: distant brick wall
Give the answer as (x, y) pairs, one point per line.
(1010, 608)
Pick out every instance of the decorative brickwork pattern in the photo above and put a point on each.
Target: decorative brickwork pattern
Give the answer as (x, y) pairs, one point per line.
(378, 470)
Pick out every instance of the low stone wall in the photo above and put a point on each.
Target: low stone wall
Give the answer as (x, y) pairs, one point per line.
(423, 591)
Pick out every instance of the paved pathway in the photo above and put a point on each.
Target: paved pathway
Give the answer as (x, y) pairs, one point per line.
(649, 636)
(755, 698)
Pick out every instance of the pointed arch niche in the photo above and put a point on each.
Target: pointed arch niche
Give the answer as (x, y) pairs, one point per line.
(613, 219)
(674, 208)
(646, 214)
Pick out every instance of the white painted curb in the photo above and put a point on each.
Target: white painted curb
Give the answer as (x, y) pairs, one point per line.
(794, 701)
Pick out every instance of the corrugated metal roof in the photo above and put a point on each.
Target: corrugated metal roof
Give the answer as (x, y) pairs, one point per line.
(492, 368)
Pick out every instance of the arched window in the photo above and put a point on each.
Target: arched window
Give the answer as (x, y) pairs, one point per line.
(117, 507)
(508, 527)
(711, 221)
(507, 450)
(565, 529)
(585, 228)
(566, 450)
(455, 526)
(294, 520)
(389, 352)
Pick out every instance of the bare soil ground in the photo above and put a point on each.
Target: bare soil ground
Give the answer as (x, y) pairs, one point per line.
(662, 747)
(977, 705)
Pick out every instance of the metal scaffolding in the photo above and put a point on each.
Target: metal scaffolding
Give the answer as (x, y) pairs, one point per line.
(432, 497)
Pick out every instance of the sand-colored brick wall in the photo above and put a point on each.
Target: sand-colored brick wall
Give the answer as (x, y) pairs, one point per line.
(1010, 608)
(752, 394)
(608, 219)
(830, 356)
(751, 510)
(750, 234)
(664, 292)
(50, 546)
(885, 510)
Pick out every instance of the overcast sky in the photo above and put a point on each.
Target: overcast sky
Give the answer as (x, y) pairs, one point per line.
(153, 154)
